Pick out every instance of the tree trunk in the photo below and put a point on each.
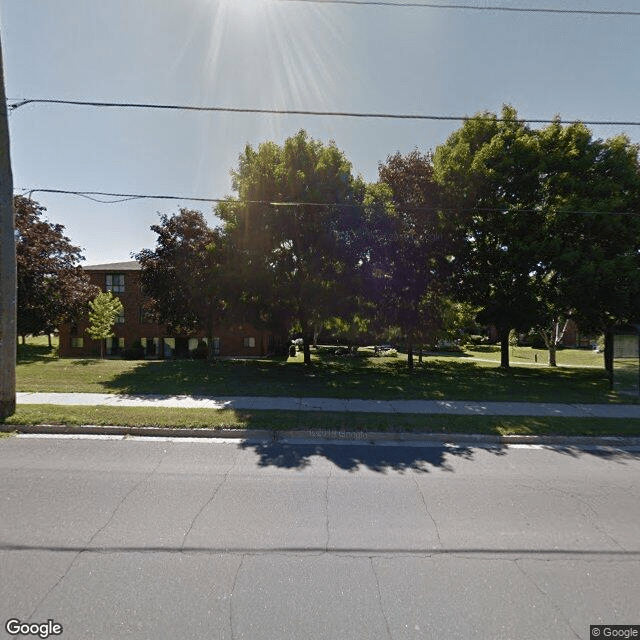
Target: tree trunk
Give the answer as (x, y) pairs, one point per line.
(307, 337)
(316, 333)
(211, 355)
(102, 349)
(504, 347)
(550, 343)
(608, 355)
(552, 354)
(24, 339)
(420, 355)
(306, 349)
(49, 339)
(410, 356)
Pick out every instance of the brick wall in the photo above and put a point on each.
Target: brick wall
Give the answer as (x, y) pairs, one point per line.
(235, 340)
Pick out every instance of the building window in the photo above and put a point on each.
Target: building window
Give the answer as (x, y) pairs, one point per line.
(120, 317)
(114, 345)
(77, 343)
(249, 343)
(115, 282)
(147, 316)
(169, 347)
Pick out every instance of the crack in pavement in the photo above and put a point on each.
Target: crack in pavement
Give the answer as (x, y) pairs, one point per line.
(326, 508)
(384, 615)
(210, 500)
(584, 502)
(233, 588)
(426, 508)
(95, 534)
(548, 598)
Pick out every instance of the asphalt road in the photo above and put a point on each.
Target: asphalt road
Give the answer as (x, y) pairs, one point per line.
(142, 539)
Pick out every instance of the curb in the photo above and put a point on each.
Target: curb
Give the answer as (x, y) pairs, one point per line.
(351, 437)
(174, 432)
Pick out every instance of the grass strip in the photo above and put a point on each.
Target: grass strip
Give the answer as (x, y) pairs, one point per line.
(338, 421)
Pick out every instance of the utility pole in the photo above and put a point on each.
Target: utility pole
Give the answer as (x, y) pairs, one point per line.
(8, 278)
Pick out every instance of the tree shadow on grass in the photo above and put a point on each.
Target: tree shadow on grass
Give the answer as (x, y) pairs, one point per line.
(85, 362)
(351, 457)
(201, 378)
(360, 378)
(28, 353)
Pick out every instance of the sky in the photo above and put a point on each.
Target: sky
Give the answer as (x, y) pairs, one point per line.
(281, 55)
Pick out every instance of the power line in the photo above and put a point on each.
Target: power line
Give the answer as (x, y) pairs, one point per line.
(96, 196)
(344, 114)
(466, 7)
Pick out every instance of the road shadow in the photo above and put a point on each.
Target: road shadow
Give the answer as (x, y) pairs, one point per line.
(383, 458)
(352, 457)
(605, 452)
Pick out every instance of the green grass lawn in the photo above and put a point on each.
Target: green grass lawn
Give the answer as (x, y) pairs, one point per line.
(526, 356)
(453, 377)
(473, 375)
(282, 420)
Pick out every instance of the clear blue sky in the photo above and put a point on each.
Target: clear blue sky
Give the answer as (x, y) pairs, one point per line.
(270, 54)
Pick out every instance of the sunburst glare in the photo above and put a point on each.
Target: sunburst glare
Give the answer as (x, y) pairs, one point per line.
(287, 54)
(265, 54)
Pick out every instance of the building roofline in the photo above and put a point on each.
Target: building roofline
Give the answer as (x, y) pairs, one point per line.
(132, 265)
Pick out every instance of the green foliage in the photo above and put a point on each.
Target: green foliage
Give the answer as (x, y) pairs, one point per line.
(459, 321)
(531, 254)
(200, 352)
(52, 287)
(185, 276)
(589, 261)
(488, 170)
(296, 263)
(103, 311)
(408, 243)
(134, 352)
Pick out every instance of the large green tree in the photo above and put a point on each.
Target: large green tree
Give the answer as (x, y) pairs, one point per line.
(588, 245)
(300, 261)
(489, 171)
(184, 275)
(547, 237)
(51, 285)
(408, 248)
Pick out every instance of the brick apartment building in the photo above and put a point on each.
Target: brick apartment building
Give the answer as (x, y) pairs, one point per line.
(136, 327)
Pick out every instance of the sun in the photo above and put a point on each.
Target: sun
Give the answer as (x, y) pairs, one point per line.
(247, 8)
(235, 10)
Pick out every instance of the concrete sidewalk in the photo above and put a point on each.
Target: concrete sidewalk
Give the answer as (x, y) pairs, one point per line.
(442, 407)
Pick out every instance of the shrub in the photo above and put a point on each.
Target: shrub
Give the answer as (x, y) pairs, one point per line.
(200, 352)
(536, 341)
(134, 352)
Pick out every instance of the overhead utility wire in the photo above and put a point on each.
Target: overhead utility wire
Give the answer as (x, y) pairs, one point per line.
(429, 5)
(345, 114)
(123, 197)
